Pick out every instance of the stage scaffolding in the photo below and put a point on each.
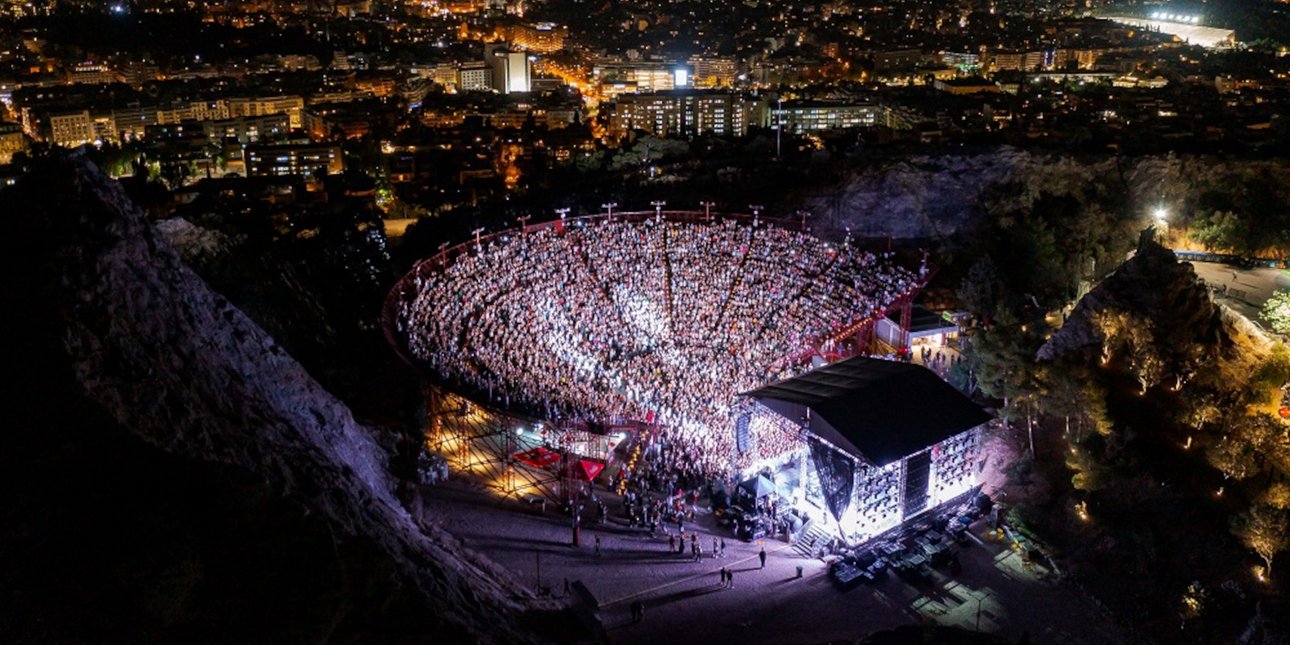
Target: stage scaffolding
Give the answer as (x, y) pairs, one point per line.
(886, 497)
(489, 444)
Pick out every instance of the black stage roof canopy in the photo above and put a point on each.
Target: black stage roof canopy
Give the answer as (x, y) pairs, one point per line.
(877, 410)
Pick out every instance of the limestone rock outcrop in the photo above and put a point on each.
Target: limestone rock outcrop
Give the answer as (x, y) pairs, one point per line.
(1153, 286)
(119, 341)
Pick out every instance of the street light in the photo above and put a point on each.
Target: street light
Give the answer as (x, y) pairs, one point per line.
(609, 209)
(1160, 220)
(1161, 215)
(756, 210)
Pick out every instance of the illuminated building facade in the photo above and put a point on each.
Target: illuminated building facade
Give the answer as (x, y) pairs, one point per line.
(292, 106)
(71, 129)
(687, 113)
(293, 160)
(542, 37)
(91, 73)
(12, 141)
(510, 69)
(248, 129)
(621, 77)
(814, 116)
(474, 76)
(714, 71)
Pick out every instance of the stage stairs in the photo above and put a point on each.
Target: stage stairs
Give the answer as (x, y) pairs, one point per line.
(812, 535)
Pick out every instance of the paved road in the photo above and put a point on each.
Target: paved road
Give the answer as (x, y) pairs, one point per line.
(684, 601)
(396, 227)
(1247, 289)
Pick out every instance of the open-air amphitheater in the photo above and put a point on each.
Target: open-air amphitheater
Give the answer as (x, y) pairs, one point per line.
(578, 334)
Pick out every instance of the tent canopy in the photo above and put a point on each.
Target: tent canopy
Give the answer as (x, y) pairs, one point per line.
(876, 410)
(540, 457)
(584, 469)
(759, 486)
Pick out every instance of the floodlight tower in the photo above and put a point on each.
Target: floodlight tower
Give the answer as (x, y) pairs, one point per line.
(658, 209)
(609, 209)
(707, 210)
(756, 211)
(804, 215)
(779, 124)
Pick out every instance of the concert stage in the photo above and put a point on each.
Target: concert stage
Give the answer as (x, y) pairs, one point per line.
(881, 443)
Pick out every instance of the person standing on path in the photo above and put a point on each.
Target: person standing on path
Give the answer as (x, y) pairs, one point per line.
(730, 579)
(761, 555)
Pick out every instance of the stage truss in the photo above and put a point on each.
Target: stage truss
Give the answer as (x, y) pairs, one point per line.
(500, 449)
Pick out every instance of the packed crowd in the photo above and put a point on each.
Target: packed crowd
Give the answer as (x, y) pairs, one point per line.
(664, 489)
(658, 321)
(772, 437)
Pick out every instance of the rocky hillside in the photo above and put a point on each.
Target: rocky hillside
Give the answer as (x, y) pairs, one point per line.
(918, 197)
(313, 276)
(938, 196)
(172, 473)
(1155, 289)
